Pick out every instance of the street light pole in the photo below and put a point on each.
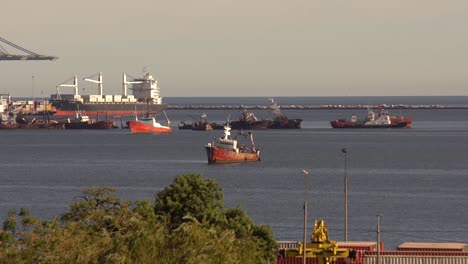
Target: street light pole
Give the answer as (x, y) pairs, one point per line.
(32, 88)
(304, 256)
(378, 238)
(345, 195)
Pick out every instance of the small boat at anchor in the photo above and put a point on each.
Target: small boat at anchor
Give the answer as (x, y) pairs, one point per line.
(84, 122)
(149, 125)
(227, 150)
(383, 120)
(200, 125)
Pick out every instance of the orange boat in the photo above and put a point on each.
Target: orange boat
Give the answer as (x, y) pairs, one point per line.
(149, 125)
(226, 150)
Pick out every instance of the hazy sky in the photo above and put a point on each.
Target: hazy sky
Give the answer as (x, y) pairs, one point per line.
(242, 47)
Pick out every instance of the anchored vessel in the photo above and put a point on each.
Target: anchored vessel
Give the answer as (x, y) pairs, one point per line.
(149, 125)
(201, 125)
(248, 120)
(384, 120)
(146, 96)
(226, 149)
(84, 122)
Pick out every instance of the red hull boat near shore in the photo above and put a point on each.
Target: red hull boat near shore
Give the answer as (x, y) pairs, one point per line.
(226, 150)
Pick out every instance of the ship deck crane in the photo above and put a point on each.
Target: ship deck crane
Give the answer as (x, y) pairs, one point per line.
(5, 55)
(320, 248)
(64, 84)
(99, 81)
(125, 83)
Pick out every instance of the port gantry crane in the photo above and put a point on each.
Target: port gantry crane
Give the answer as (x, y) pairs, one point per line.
(4, 55)
(320, 248)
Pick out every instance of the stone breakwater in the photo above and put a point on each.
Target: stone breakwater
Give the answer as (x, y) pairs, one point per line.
(311, 107)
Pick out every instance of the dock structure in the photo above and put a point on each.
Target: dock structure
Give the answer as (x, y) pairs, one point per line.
(406, 253)
(5, 55)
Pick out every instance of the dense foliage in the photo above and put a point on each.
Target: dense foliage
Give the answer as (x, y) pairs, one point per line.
(188, 223)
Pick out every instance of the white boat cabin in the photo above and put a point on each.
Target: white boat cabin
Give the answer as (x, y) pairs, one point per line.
(226, 142)
(150, 121)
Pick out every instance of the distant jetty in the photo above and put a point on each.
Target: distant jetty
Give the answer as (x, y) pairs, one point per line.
(310, 107)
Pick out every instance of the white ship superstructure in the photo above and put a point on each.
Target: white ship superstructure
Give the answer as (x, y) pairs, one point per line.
(143, 89)
(145, 97)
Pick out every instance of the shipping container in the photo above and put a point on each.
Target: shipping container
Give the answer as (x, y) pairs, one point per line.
(360, 245)
(287, 244)
(416, 260)
(418, 246)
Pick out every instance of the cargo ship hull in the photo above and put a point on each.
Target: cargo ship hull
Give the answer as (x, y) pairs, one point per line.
(69, 108)
(219, 155)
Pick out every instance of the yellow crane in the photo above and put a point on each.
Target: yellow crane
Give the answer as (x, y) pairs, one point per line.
(321, 247)
(4, 55)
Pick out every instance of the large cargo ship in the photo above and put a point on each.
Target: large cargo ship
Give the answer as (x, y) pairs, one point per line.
(145, 97)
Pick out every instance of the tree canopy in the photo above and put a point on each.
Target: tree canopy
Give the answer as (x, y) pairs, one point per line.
(188, 223)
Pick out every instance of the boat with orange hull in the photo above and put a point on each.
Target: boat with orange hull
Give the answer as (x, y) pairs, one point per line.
(384, 120)
(401, 119)
(148, 125)
(226, 149)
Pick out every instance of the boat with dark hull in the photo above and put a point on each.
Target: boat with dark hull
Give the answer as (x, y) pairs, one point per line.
(146, 97)
(227, 150)
(84, 122)
(384, 120)
(20, 121)
(199, 125)
(248, 120)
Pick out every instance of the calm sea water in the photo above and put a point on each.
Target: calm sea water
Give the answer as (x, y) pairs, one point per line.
(416, 178)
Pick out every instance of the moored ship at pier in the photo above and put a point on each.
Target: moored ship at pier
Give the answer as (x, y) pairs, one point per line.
(146, 97)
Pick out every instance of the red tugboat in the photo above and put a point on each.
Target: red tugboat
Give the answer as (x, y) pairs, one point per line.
(384, 120)
(149, 125)
(226, 150)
